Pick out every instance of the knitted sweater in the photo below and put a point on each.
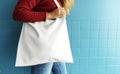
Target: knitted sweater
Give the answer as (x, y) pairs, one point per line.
(33, 10)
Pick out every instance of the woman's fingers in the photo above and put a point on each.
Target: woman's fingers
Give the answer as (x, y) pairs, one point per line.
(59, 12)
(62, 12)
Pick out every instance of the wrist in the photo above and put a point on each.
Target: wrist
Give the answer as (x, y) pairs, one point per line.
(48, 15)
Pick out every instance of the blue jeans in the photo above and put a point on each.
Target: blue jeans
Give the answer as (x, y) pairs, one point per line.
(47, 68)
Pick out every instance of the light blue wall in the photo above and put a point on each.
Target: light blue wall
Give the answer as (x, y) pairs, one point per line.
(94, 31)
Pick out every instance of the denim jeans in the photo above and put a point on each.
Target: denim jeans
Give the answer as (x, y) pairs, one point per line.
(48, 68)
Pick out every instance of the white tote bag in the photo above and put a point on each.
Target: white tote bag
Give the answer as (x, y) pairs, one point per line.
(43, 42)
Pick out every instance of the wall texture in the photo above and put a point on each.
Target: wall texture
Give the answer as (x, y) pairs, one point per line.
(94, 31)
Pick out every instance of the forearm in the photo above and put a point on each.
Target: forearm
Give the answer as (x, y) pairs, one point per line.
(24, 15)
(23, 11)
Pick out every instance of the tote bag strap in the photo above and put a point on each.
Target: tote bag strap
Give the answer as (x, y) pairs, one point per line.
(57, 4)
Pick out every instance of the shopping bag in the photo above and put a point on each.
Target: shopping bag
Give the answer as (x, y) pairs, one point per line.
(44, 41)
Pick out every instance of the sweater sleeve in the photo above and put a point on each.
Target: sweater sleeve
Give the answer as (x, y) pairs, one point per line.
(23, 11)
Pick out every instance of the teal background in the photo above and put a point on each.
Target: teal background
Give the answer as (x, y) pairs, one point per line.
(94, 31)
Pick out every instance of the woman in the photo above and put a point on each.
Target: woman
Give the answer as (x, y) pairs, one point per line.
(41, 10)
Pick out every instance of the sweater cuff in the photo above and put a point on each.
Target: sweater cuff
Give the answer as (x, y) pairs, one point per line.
(41, 16)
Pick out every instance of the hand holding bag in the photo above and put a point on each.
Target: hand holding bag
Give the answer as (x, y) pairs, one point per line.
(44, 41)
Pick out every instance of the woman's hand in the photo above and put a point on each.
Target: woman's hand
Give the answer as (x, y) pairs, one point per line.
(59, 12)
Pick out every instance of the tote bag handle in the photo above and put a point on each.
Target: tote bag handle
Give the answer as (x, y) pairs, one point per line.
(57, 4)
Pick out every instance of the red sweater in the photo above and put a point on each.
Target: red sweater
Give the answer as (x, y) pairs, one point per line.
(33, 10)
